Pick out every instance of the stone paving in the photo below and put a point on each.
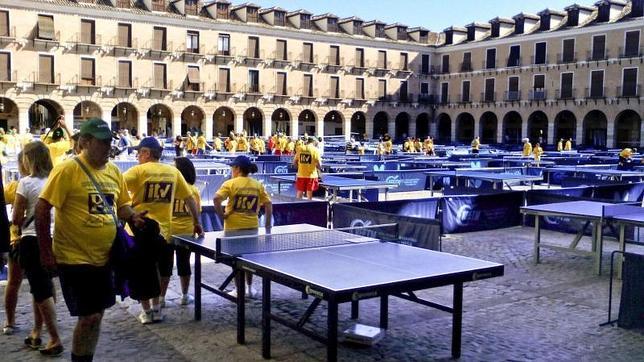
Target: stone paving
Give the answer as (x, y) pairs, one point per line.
(549, 311)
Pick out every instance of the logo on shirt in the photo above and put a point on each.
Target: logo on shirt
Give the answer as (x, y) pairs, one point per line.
(158, 192)
(96, 206)
(305, 158)
(180, 209)
(245, 204)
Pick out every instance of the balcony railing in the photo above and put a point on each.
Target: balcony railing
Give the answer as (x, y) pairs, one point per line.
(488, 97)
(538, 94)
(514, 62)
(632, 52)
(629, 92)
(426, 99)
(563, 58)
(566, 93)
(595, 92)
(490, 65)
(539, 60)
(466, 67)
(444, 99)
(596, 56)
(464, 98)
(512, 95)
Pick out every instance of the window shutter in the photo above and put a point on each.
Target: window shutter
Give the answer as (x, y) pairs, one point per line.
(333, 88)
(224, 80)
(159, 39)
(4, 23)
(513, 85)
(252, 47)
(159, 76)
(281, 84)
(569, 50)
(629, 82)
(599, 47)
(307, 87)
(403, 61)
(124, 35)
(193, 75)
(125, 74)
(359, 88)
(466, 92)
(45, 27)
(566, 85)
(382, 88)
(382, 59)
(5, 67)
(45, 69)
(334, 55)
(87, 32)
(632, 43)
(597, 83)
(539, 82)
(87, 71)
(308, 53)
(359, 58)
(280, 52)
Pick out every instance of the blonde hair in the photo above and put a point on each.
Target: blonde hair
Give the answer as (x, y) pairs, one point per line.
(36, 159)
(21, 166)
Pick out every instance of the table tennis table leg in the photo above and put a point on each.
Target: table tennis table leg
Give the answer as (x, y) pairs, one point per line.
(355, 309)
(384, 311)
(599, 246)
(241, 307)
(197, 286)
(537, 238)
(266, 317)
(457, 320)
(622, 248)
(332, 331)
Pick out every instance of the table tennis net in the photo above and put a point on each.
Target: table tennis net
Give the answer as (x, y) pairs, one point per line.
(251, 244)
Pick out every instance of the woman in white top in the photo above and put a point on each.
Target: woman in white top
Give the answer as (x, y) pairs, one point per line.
(37, 161)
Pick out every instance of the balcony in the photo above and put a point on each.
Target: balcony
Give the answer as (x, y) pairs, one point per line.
(597, 56)
(444, 99)
(190, 55)
(466, 67)
(426, 99)
(566, 93)
(629, 92)
(511, 96)
(46, 44)
(464, 98)
(632, 52)
(193, 90)
(83, 86)
(513, 62)
(280, 61)
(406, 98)
(79, 47)
(564, 58)
(10, 81)
(539, 60)
(156, 89)
(537, 94)
(490, 65)
(39, 84)
(488, 97)
(119, 50)
(595, 93)
(115, 88)
(9, 38)
(149, 52)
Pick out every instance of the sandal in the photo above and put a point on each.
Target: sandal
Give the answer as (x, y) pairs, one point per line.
(54, 351)
(33, 343)
(8, 330)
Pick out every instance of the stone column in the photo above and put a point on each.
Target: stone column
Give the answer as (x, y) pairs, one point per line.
(551, 132)
(346, 128)
(107, 117)
(267, 127)
(208, 132)
(142, 124)
(239, 123)
(295, 131)
(412, 127)
(319, 126)
(23, 120)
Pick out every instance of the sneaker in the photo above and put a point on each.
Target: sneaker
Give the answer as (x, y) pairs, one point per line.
(33, 343)
(186, 299)
(146, 317)
(8, 330)
(54, 351)
(157, 315)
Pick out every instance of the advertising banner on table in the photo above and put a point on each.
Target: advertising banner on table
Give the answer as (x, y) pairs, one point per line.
(631, 306)
(377, 165)
(481, 212)
(422, 208)
(279, 167)
(620, 193)
(412, 180)
(419, 232)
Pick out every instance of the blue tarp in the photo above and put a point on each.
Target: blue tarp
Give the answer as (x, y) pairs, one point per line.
(481, 212)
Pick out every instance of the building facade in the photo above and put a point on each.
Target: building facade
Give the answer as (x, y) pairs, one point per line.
(165, 67)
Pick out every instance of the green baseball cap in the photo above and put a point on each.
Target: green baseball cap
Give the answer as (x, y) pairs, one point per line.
(97, 128)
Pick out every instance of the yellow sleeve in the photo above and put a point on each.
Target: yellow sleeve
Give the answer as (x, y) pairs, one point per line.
(264, 197)
(57, 186)
(224, 189)
(131, 178)
(183, 189)
(10, 192)
(124, 195)
(196, 196)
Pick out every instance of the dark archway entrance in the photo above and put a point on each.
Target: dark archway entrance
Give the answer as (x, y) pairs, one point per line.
(43, 114)
(538, 127)
(160, 120)
(306, 122)
(444, 128)
(281, 121)
(565, 126)
(124, 116)
(192, 120)
(512, 128)
(627, 129)
(464, 128)
(402, 125)
(333, 124)
(489, 125)
(422, 125)
(380, 124)
(595, 129)
(253, 120)
(223, 121)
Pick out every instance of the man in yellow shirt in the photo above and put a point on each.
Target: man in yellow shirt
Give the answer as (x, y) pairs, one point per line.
(476, 144)
(154, 186)
(429, 146)
(568, 146)
(191, 143)
(84, 232)
(309, 169)
(527, 147)
(217, 142)
(538, 151)
(560, 145)
(389, 145)
(202, 144)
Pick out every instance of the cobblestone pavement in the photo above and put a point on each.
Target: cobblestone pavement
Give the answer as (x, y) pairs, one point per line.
(549, 311)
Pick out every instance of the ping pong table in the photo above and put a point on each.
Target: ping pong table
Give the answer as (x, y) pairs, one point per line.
(624, 215)
(336, 267)
(496, 178)
(597, 170)
(336, 184)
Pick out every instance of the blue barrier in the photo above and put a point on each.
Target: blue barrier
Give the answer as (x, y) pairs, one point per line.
(212, 184)
(405, 180)
(422, 208)
(481, 212)
(286, 188)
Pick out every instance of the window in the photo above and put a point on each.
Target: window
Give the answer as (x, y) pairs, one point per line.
(160, 76)
(223, 44)
(489, 95)
(194, 79)
(125, 74)
(307, 53)
(280, 50)
(4, 23)
(403, 91)
(334, 55)
(359, 62)
(404, 61)
(382, 89)
(280, 18)
(191, 7)
(125, 35)
(305, 21)
(540, 53)
(123, 4)
(359, 88)
(465, 91)
(599, 47)
(596, 84)
(280, 84)
(307, 88)
(87, 35)
(467, 62)
(513, 89)
(158, 5)
(5, 67)
(46, 27)
(382, 59)
(539, 86)
(445, 64)
(46, 69)
(253, 81)
(490, 59)
(334, 87)
(192, 42)
(568, 54)
(444, 93)
(566, 86)
(424, 88)
(332, 25)
(87, 76)
(357, 28)
(224, 80)
(222, 11)
(632, 43)
(514, 58)
(380, 31)
(252, 15)
(424, 64)
(159, 41)
(253, 47)
(629, 83)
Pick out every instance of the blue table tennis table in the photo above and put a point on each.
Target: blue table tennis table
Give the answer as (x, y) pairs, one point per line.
(336, 184)
(334, 266)
(496, 178)
(598, 170)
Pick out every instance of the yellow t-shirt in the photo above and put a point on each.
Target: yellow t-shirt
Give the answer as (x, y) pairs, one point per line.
(282, 144)
(307, 160)
(181, 219)
(242, 144)
(559, 146)
(261, 145)
(245, 197)
(538, 151)
(388, 146)
(154, 186)
(10, 192)
(232, 146)
(57, 151)
(84, 229)
(201, 143)
(527, 149)
(568, 146)
(217, 144)
(476, 144)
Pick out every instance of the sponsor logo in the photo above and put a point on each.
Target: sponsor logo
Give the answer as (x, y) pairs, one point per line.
(280, 169)
(305, 158)
(310, 291)
(465, 215)
(357, 296)
(95, 204)
(180, 208)
(359, 223)
(245, 203)
(158, 192)
(379, 167)
(395, 180)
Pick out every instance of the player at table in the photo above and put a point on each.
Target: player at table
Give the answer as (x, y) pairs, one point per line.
(625, 162)
(527, 147)
(537, 151)
(245, 197)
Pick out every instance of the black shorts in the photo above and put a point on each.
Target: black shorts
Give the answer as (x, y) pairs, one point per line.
(166, 261)
(87, 289)
(41, 286)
